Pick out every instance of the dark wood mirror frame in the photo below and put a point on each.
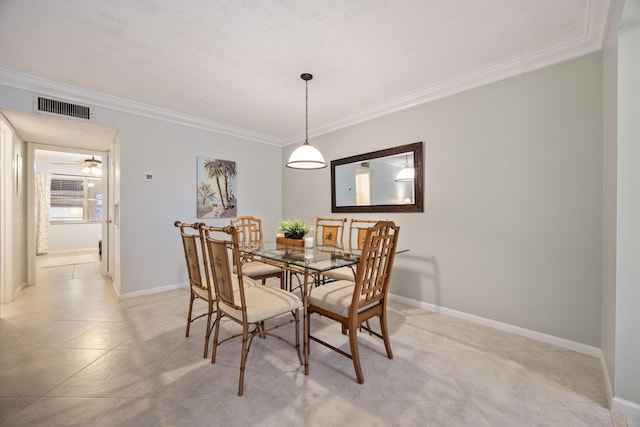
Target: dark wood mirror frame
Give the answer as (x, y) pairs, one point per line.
(417, 206)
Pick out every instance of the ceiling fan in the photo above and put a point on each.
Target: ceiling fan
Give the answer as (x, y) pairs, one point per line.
(91, 166)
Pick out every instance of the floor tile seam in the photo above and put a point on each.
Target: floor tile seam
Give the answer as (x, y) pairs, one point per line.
(16, 416)
(329, 399)
(481, 412)
(46, 394)
(79, 275)
(87, 348)
(564, 404)
(21, 396)
(558, 403)
(534, 372)
(528, 400)
(384, 399)
(96, 394)
(520, 363)
(467, 396)
(428, 400)
(78, 333)
(111, 411)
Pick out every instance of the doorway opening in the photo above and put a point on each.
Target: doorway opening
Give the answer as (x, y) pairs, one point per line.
(70, 200)
(68, 192)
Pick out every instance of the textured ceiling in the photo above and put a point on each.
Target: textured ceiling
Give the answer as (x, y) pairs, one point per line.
(237, 64)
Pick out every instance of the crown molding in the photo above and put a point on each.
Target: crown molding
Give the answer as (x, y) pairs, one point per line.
(589, 40)
(59, 90)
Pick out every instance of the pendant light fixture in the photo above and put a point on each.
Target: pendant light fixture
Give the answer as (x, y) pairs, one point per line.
(306, 156)
(406, 174)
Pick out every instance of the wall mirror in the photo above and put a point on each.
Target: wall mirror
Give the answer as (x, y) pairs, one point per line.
(388, 180)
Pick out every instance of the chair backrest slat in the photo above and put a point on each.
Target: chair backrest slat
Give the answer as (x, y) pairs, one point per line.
(374, 270)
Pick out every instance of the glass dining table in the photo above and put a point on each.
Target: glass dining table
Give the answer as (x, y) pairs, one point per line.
(309, 263)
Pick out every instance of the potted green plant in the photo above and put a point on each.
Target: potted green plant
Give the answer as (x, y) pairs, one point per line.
(293, 231)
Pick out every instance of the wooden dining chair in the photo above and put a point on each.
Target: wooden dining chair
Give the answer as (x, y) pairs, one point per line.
(356, 237)
(249, 306)
(352, 304)
(249, 230)
(199, 283)
(329, 231)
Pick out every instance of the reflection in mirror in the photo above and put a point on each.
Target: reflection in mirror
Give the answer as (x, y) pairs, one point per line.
(382, 181)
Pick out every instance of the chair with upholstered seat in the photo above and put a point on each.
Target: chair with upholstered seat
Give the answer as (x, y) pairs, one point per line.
(249, 306)
(352, 304)
(329, 231)
(356, 235)
(199, 284)
(249, 230)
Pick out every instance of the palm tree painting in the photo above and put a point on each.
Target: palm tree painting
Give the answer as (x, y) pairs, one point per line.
(216, 187)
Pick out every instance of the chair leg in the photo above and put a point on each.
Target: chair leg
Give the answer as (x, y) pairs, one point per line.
(215, 337)
(191, 298)
(385, 333)
(355, 354)
(208, 334)
(297, 318)
(243, 358)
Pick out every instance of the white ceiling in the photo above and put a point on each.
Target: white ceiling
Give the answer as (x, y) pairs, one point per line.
(236, 65)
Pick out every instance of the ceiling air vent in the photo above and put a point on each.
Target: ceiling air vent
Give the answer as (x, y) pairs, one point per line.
(54, 106)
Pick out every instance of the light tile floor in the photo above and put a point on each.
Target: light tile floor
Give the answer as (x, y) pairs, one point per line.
(71, 353)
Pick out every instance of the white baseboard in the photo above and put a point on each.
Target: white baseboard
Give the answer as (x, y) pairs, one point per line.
(607, 379)
(153, 291)
(560, 342)
(626, 408)
(621, 406)
(113, 286)
(21, 288)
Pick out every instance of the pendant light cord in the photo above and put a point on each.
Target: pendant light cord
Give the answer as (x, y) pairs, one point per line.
(306, 112)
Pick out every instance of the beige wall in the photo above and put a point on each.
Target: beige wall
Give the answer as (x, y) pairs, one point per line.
(150, 252)
(512, 228)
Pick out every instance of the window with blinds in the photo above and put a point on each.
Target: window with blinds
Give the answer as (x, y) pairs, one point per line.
(76, 199)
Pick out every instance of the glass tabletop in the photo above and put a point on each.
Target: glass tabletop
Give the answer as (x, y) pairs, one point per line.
(318, 258)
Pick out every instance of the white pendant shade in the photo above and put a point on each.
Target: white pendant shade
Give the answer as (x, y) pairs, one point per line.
(405, 174)
(306, 157)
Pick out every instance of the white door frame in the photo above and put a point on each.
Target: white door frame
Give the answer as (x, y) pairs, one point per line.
(7, 187)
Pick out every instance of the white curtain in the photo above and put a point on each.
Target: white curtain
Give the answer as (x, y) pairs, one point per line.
(43, 205)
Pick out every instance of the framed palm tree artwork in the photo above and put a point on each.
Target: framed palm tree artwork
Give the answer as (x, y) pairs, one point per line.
(216, 188)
